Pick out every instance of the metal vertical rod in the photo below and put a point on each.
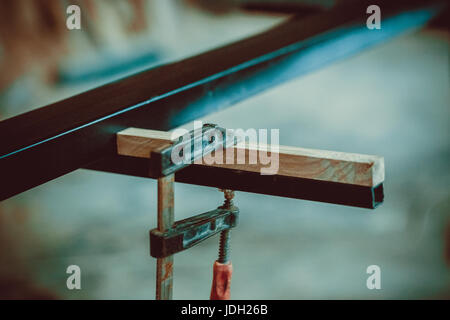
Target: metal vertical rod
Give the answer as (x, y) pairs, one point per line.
(164, 266)
(224, 247)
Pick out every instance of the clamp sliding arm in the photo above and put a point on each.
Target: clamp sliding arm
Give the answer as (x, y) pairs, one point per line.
(186, 233)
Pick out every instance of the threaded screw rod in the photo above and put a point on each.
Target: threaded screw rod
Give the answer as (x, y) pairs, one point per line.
(224, 245)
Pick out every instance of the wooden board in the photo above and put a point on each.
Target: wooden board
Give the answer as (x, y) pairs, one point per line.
(322, 165)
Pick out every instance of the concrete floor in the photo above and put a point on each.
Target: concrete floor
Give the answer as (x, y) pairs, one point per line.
(391, 101)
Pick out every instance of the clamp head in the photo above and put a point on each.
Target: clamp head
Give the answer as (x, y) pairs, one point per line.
(189, 148)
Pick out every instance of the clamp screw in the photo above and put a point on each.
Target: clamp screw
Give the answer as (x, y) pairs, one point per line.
(224, 246)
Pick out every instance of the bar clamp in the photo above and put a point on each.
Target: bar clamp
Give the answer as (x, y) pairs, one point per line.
(186, 233)
(172, 237)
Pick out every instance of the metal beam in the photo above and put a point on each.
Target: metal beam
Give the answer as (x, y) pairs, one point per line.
(275, 185)
(166, 218)
(49, 142)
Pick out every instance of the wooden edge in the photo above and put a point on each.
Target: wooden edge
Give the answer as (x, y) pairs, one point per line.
(322, 165)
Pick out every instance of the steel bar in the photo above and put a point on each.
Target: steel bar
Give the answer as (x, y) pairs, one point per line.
(166, 216)
(275, 185)
(52, 141)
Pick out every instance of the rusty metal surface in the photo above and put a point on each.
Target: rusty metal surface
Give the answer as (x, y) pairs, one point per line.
(225, 236)
(189, 232)
(164, 266)
(190, 147)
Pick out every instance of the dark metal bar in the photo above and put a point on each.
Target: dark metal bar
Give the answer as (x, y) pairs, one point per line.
(49, 142)
(166, 217)
(276, 185)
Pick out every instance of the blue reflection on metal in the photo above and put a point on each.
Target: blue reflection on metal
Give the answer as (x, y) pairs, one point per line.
(298, 58)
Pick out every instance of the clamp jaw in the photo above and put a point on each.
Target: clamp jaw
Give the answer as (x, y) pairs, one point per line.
(193, 146)
(186, 233)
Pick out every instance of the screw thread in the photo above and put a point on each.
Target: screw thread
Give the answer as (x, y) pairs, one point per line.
(224, 247)
(229, 195)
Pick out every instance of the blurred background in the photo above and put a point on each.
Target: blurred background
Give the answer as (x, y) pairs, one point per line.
(391, 100)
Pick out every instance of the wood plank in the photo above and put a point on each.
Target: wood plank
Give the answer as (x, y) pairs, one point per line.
(322, 165)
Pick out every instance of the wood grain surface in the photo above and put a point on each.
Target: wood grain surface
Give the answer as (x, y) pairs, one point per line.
(332, 166)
